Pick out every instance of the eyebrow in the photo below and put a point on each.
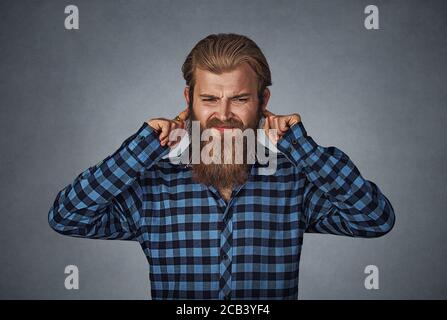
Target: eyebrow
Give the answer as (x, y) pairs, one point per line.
(245, 94)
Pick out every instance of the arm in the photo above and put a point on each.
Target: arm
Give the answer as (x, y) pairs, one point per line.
(105, 201)
(337, 199)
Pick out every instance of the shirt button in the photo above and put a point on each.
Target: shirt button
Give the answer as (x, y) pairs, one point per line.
(225, 256)
(227, 297)
(294, 141)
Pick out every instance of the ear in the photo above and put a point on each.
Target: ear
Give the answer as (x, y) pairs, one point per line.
(186, 95)
(266, 96)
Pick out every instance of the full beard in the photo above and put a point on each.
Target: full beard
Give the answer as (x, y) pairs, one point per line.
(227, 173)
(222, 175)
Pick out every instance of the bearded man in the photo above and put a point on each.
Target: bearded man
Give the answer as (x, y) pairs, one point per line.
(222, 229)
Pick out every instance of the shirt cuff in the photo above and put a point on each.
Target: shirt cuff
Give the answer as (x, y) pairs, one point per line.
(296, 144)
(145, 146)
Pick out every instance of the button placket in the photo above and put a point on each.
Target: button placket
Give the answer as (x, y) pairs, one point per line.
(226, 239)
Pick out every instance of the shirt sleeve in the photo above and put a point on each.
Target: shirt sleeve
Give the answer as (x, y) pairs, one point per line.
(105, 200)
(337, 199)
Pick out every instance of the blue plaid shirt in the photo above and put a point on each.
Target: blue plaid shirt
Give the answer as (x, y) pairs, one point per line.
(197, 245)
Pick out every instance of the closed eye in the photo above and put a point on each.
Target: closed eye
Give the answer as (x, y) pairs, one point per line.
(240, 100)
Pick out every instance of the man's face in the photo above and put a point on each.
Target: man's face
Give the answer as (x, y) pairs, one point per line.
(228, 99)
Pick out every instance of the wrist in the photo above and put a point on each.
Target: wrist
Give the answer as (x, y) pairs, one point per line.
(294, 119)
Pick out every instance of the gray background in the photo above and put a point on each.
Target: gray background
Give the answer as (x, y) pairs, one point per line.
(69, 99)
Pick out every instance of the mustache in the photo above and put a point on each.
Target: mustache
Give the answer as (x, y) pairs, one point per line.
(232, 123)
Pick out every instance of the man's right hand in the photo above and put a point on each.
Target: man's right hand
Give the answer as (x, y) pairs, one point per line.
(164, 126)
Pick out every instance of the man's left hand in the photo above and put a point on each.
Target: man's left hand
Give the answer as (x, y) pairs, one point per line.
(281, 123)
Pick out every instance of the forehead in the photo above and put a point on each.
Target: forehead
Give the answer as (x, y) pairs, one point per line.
(241, 78)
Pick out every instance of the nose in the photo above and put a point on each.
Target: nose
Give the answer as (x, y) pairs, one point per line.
(224, 112)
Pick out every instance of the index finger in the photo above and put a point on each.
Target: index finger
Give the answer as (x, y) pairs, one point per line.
(267, 113)
(184, 114)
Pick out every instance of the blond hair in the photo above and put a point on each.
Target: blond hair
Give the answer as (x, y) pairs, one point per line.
(224, 52)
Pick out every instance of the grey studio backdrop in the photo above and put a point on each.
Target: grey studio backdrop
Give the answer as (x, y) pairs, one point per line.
(70, 98)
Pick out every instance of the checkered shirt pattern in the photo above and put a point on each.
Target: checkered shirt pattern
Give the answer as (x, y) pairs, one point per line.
(197, 245)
